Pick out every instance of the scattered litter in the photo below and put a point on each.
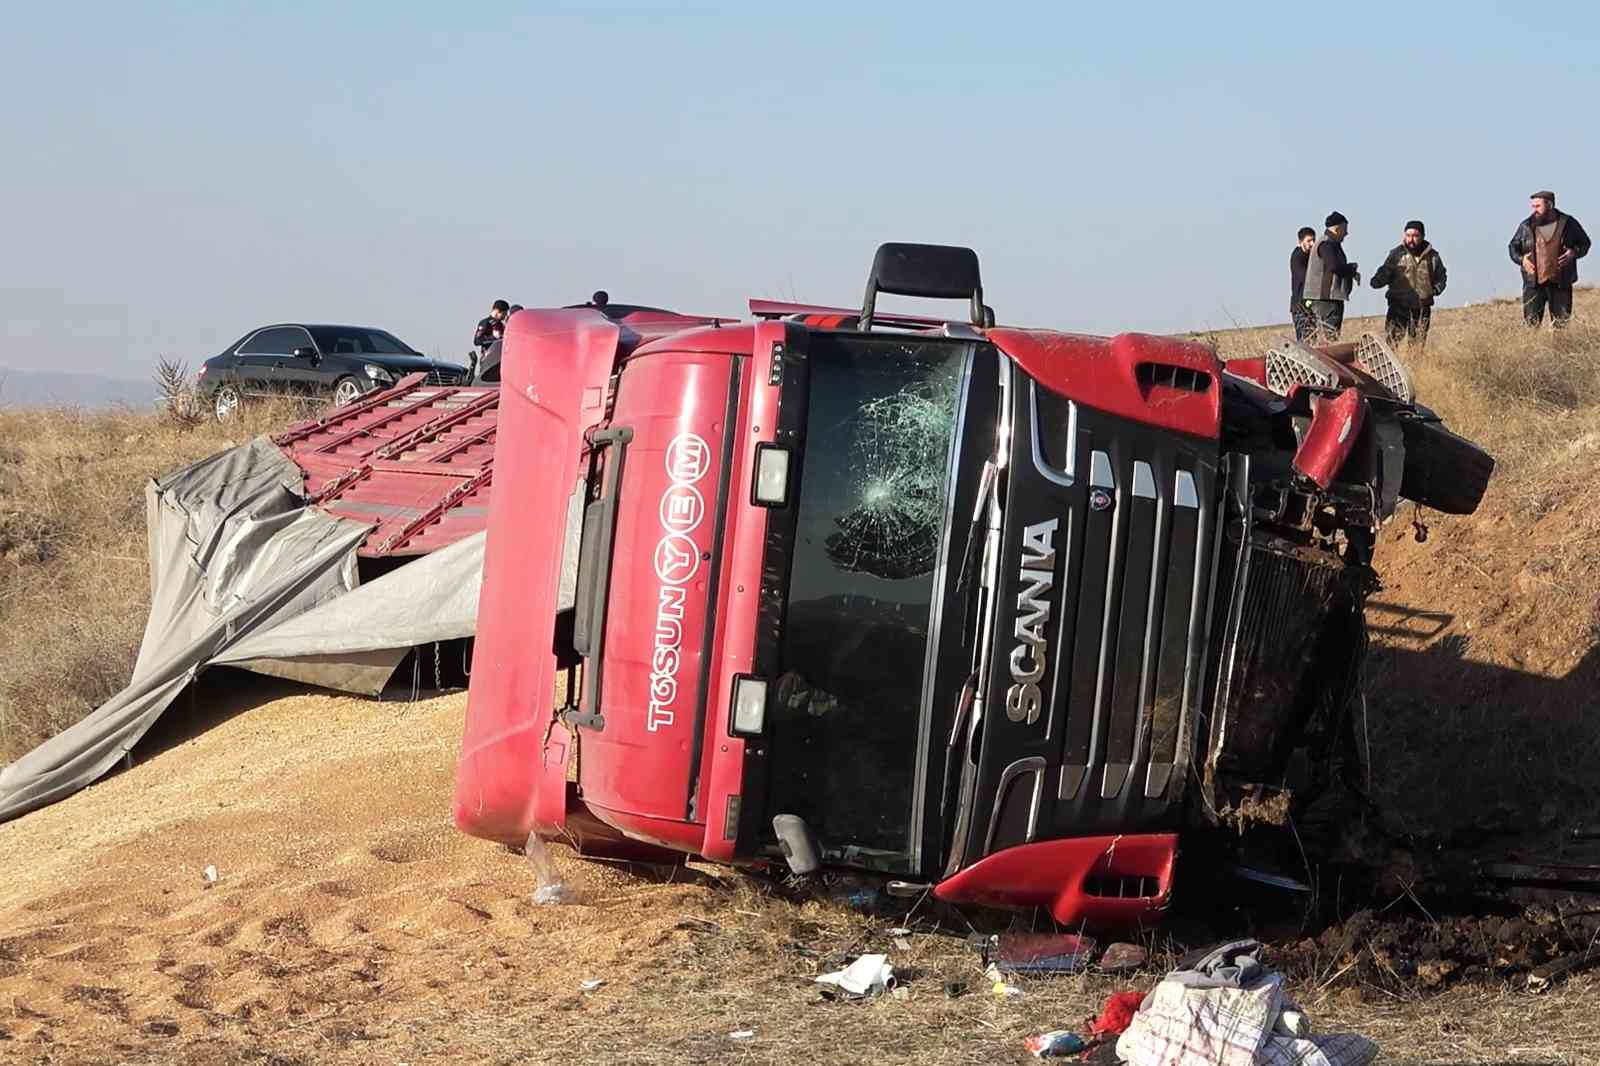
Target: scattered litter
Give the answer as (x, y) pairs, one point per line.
(590, 986)
(1223, 1007)
(999, 984)
(551, 889)
(857, 896)
(902, 944)
(955, 989)
(1042, 952)
(1123, 958)
(867, 976)
(1117, 1013)
(899, 930)
(1270, 879)
(742, 1034)
(210, 876)
(1556, 970)
(1055, 1042)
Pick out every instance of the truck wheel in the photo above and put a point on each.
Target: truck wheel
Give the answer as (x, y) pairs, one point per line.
(225, 404)
(1444, 472)
(346, 392)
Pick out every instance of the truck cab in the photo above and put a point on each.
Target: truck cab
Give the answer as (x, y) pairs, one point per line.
(997, 612)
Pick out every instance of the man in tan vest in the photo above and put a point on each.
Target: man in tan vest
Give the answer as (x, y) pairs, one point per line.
(1547, 246)
(1414, 275)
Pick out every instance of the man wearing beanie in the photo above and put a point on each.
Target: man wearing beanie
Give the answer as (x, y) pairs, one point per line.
(1547, 246)
(1414, 275)
(1329, 279)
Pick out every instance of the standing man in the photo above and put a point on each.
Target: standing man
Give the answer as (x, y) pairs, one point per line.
(1414, 275)
(1307, 240)
(1329, 279)
(1548, 246)
(491, 329)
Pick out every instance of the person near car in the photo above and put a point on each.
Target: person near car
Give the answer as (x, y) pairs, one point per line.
(1547, 246)
(1414, 275)
(1305, 240)
(1329, 279)
(491, 328)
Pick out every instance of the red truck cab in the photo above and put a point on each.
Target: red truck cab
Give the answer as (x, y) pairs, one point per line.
(989, 610)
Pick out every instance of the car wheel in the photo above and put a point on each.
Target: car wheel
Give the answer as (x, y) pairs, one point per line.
(346, 392)
(226, 402)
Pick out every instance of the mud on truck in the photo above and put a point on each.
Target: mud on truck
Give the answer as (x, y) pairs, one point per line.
(997, 613)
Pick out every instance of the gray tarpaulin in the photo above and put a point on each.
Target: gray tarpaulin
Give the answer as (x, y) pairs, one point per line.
(242, 571)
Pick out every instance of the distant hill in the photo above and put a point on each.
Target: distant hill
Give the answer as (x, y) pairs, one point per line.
(54, 388)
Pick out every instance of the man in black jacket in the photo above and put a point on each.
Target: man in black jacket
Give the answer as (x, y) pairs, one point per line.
(492, 328)
(1329, 279)
(1306, 240)
(1414, 275)
(1547, 246)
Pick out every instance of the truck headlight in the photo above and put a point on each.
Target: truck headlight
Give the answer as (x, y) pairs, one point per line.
(749, 706)
(379, 374)
(771, 486)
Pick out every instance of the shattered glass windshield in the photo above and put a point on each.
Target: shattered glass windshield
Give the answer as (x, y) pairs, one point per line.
(871, 513)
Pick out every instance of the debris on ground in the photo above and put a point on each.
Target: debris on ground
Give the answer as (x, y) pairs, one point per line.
(210, 876)
(1223, 1007)
(742, 1034)
(591, 985)
(869, 975)
(1123, 958)
(998, 983)
(1116, 1014)
(1055, 1043)
(550, 888)
(1543, 977)
(1037, 952)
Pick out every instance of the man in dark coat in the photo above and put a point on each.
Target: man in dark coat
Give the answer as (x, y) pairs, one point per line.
(1414, 274)
(1547, 246)
(1306, 240)
(1329, 279)
(492, 328)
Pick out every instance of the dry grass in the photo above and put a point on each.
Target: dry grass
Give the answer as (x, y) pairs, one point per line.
(74, 580)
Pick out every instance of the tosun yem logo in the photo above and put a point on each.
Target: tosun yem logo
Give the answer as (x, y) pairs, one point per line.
(1036, 576)
(677, 559)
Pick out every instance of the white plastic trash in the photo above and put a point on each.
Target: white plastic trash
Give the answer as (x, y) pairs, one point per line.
(867, 976)
(550, 888)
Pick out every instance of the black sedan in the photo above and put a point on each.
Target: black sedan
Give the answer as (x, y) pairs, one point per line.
(334, 362)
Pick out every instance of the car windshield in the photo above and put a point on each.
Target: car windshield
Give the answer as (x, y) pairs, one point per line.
(846, 713)
(345, 340)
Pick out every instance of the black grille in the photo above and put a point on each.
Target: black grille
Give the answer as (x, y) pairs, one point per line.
(1283, 657)
(443, 377)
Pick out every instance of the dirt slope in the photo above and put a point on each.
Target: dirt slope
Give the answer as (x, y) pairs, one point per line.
(352, 923)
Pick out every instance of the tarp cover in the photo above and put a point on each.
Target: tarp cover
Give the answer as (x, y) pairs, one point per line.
(243, 571)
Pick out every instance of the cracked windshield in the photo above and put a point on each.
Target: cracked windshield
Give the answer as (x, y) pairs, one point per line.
(871, 511)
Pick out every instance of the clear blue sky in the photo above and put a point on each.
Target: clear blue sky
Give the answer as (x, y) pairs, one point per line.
(172, 176)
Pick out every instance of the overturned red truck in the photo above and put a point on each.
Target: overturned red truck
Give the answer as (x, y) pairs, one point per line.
(997, 612)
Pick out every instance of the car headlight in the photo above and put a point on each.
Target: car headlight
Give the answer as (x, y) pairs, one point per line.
(379, 374)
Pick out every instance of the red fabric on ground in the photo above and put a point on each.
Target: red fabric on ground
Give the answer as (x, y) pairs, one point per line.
(1117, 1014)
